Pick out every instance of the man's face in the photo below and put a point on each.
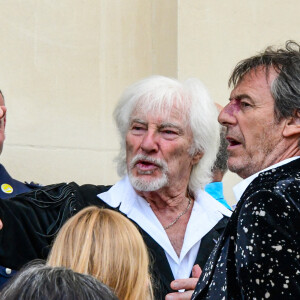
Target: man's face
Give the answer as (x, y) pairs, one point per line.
(2, 125)
(157, 151)
(253, 133)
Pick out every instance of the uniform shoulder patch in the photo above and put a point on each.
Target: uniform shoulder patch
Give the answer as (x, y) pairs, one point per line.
(6, 188)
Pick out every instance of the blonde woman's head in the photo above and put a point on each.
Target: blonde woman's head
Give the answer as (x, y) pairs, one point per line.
(106, 245)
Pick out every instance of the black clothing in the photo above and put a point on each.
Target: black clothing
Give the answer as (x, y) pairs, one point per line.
(258, 255)
(32, 220)
(10, 187)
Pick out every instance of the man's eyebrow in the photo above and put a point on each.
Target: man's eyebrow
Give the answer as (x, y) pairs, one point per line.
(240, 96)
(138, 121)
(172, 125)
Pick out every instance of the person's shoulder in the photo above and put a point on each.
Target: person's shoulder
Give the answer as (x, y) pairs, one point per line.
(88, 193)
(271, 208)
(10, 187)
(281, 180)
(33, 185)
(287, 171)
(91, 188)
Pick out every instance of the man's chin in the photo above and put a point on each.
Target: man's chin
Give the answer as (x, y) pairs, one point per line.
(148, 183)
(240, 168)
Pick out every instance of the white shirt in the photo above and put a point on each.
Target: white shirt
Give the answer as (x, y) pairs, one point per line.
(205, 215)
(240, 188)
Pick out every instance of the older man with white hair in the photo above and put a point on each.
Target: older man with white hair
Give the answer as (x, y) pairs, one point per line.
(169, 140)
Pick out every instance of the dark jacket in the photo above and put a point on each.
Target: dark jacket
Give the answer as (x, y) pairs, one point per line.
(32, 220)
(258, 255)
(10, 187)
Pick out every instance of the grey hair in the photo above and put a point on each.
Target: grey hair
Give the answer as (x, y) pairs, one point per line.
(159, 94)
(222, 155)
(37, 281)
(285, 89)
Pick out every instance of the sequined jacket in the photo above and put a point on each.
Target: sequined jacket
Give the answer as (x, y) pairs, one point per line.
(258, 254)
(32, 220)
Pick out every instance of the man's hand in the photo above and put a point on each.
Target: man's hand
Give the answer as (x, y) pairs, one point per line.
(187, 284)
(1, 224)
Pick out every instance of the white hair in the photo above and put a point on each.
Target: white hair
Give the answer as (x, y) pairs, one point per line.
(159, 94)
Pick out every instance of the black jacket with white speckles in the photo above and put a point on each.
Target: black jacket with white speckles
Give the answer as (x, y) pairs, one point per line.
(258, 255)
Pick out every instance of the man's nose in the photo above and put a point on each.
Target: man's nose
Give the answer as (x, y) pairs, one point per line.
(227, 116)
(150, 142)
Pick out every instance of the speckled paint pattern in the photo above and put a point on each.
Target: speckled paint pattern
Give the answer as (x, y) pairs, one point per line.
(258, 255)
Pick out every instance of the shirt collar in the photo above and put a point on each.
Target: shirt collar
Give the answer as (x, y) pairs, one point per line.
(206, 213)
(240, 188)
(215, 189)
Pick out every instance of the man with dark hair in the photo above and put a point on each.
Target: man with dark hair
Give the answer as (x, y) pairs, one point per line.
(215, 188)
(39, 282)
(257, 257)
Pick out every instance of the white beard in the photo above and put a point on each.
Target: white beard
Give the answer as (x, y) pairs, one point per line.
(143, 184)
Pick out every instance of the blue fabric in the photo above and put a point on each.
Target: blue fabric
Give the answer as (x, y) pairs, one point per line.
(215, 189)
(5, 275)
(15, 187)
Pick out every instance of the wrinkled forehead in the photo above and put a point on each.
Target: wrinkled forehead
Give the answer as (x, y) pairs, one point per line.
(171, 110)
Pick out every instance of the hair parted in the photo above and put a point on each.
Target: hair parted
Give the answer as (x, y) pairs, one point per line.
(36, 281)
(285, 89)
(106, 245)
(158, 94)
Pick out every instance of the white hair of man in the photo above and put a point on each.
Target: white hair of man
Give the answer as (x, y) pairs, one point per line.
(157, 95)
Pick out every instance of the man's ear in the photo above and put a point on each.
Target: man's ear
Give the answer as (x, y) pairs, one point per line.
(196, 157)
(3, 118)
(292, 125)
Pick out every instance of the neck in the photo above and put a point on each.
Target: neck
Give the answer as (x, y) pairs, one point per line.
(164, 200)
(284, 150)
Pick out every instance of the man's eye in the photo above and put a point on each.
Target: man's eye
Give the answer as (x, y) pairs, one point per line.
(137, 129)
(169, 134)
(245, 104)
(167, 131)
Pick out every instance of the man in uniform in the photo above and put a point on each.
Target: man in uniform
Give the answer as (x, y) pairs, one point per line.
(9, 187)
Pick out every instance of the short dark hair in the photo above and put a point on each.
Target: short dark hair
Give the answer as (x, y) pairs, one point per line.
(222, 155)
(37, 281)
(285, 88)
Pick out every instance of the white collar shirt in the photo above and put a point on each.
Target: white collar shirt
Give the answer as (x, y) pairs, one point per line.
(206, 213)
(240, 188)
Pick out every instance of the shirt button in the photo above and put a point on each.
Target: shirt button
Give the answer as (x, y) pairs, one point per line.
(8, 271)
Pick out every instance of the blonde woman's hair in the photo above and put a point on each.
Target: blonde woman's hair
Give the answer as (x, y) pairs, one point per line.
(106, 245)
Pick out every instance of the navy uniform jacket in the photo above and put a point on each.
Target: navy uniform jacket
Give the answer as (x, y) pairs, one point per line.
(10, 187)
(258, 254)
(33, 219)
